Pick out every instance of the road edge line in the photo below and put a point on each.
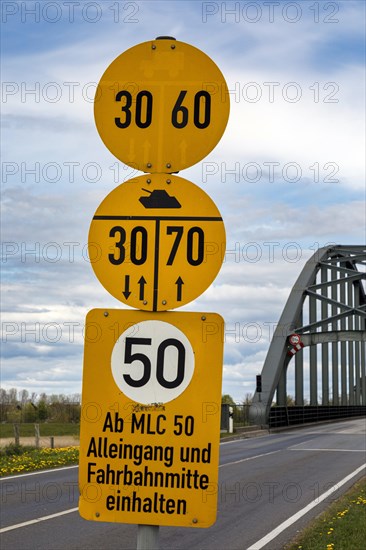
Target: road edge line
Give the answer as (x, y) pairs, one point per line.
(37, 520)
(278, 530)
(37, 472)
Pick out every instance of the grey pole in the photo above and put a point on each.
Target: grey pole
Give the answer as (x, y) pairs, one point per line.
(147, 537)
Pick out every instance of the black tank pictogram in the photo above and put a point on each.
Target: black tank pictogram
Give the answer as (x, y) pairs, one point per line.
(159, 198)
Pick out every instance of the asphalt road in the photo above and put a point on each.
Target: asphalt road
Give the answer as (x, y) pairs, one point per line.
(264, 481)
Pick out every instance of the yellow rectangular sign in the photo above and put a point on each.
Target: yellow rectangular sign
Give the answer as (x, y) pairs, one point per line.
(150, 427)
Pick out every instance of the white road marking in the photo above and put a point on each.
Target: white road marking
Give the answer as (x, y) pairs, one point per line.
(333, 450)
(52, 516)
(278, 530)
(249, 458)
(37, 472)
(243, 439)
(37, 520)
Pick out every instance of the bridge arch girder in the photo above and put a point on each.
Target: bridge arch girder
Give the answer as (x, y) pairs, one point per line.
(326, 307)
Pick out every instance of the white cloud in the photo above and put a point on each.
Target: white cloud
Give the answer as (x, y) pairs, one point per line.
(273, 224)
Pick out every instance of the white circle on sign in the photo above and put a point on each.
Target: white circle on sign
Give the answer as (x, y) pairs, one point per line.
(152, 362)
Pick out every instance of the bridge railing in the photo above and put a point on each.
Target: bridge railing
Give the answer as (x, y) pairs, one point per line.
(295, 415)
(240, 415)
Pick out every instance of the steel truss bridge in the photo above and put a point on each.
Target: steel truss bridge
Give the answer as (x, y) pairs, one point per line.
(318, 345)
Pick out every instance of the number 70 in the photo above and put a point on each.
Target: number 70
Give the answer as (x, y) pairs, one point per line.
(195, 246)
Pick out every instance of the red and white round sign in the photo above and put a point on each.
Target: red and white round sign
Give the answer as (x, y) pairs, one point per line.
(155, 364)
(294, 339)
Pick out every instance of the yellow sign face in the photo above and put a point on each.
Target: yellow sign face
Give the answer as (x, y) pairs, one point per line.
(161, 106)
(157, 242)
(150, 426)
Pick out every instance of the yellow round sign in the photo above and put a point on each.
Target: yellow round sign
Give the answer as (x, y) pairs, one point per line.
(157, 242)
(161, 106)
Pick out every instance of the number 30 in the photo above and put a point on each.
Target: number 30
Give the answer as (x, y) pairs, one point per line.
(180, 113)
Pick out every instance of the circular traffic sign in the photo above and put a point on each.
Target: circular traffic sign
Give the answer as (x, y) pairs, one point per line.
(157, 242)
(155, 365)
(161, 106)
(294, 339)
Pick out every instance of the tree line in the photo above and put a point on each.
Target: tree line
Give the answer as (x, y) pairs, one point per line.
(23, 406)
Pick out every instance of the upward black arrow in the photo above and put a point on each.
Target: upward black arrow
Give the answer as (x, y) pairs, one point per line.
(142, 283)
(126, 293)
(179, 282)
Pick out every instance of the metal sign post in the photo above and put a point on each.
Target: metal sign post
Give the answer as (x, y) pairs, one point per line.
(147, 537)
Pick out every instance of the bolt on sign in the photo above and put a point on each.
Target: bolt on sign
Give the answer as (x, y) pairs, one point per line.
(161, 106)
(157, 242)
(149, 445)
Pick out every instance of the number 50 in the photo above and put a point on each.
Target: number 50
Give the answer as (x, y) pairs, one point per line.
(156, 365)
(144, 359)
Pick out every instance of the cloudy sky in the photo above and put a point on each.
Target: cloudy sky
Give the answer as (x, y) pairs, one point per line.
(287, 175)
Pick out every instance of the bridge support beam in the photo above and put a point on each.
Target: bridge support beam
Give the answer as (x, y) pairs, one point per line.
(330, 298)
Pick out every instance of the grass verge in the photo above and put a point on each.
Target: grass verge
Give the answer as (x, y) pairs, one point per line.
(19, 459)
(46, 429)
(341, 527)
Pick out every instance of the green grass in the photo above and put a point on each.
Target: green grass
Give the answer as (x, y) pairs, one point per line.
(18, 459)
(46, 429)
(341, 527)
(225, 434)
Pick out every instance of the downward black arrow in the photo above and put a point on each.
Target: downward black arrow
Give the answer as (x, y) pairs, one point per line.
(142, 284)
(126, 293)
(179, 282)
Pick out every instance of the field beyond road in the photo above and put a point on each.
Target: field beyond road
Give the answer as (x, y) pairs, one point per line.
(64, 434)
(59, 441)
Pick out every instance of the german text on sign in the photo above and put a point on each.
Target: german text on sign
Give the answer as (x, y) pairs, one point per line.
(149, 442)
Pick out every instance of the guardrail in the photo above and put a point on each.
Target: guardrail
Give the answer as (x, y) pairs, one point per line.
(292, 416)
(240, 416)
